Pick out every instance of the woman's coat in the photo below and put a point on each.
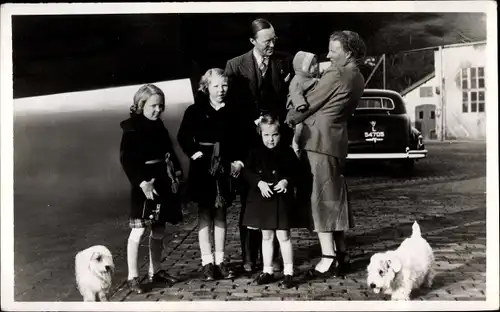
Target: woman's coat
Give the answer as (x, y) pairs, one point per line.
(331, 102)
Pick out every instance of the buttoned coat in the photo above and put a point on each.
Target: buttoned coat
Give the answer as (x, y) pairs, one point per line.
(144, 140)
(271, 166)
(201, 123)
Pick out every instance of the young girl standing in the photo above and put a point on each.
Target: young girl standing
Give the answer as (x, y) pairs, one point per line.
(151, 165)
(208, 136)
(271, 173)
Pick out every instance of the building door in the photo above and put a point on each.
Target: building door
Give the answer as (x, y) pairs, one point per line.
(425, 120)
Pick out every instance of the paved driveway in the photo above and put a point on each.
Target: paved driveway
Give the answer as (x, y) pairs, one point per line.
(446, 195)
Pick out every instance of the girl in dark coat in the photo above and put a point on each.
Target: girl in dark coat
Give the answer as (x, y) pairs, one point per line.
(271, 173)
(207, 135)
(150, 163)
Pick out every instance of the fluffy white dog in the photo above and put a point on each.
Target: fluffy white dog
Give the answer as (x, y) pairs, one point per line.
(398, 272)
(94, 269)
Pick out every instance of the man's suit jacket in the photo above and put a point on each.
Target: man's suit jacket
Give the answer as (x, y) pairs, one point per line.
(331, 102)
(245, 80)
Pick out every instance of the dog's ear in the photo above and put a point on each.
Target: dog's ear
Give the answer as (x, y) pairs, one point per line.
(393, 262)
(374, 257)
(96, 256)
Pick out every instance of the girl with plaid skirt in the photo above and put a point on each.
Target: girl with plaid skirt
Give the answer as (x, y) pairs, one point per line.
(150, 163)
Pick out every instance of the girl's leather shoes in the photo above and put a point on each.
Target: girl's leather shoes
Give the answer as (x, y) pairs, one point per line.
(264, 278)
(287, 282)
(135, 285)
(163, 277)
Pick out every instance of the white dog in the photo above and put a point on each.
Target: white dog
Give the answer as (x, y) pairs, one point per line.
(94, 268)
(397, 272)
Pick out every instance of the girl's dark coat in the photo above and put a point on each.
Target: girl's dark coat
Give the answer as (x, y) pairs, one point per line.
(144, 140)
(203, 124)
(279, 211)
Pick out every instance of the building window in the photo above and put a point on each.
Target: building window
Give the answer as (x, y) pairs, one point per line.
(473, 102)
(465, 79)
(421, 115)
(425, 91)
(465, 102)
(433, 115)
(480, 77)
(481, 102)
(473, 78)
(473, 89)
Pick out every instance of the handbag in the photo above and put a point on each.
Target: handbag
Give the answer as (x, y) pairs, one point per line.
(151, 209)
(220, 201)
(215, 161)
(171, 173)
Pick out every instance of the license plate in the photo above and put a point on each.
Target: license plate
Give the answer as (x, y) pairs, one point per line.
(374, 136)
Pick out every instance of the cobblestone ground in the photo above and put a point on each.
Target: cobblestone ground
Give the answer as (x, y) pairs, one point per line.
(446, 196)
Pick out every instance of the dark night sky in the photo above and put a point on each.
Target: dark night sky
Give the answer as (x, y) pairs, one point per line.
(63, 53)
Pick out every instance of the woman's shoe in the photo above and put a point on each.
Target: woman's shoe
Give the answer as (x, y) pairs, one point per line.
(313, 273)
(135, 285)
(343, 264)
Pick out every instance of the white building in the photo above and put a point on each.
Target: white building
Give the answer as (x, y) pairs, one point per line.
(462, 69)
(421, 101)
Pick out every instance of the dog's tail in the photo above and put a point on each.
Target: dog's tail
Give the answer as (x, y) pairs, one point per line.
(416, 230)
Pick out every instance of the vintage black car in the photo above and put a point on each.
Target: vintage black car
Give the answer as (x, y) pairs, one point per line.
(380, 129)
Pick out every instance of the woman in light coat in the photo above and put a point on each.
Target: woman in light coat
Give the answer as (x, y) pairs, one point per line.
(324, 141)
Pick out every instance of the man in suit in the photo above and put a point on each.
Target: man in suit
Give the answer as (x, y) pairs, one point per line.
(259, 81)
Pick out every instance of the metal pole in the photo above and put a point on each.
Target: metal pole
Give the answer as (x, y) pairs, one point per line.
(455, 45)
(373, 72)
(441, 95)
(383, 68)
(444, 46)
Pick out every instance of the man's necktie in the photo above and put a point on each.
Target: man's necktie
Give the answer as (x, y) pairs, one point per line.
(263, 66)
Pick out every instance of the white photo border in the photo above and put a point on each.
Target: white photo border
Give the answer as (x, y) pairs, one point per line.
(6, 148)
